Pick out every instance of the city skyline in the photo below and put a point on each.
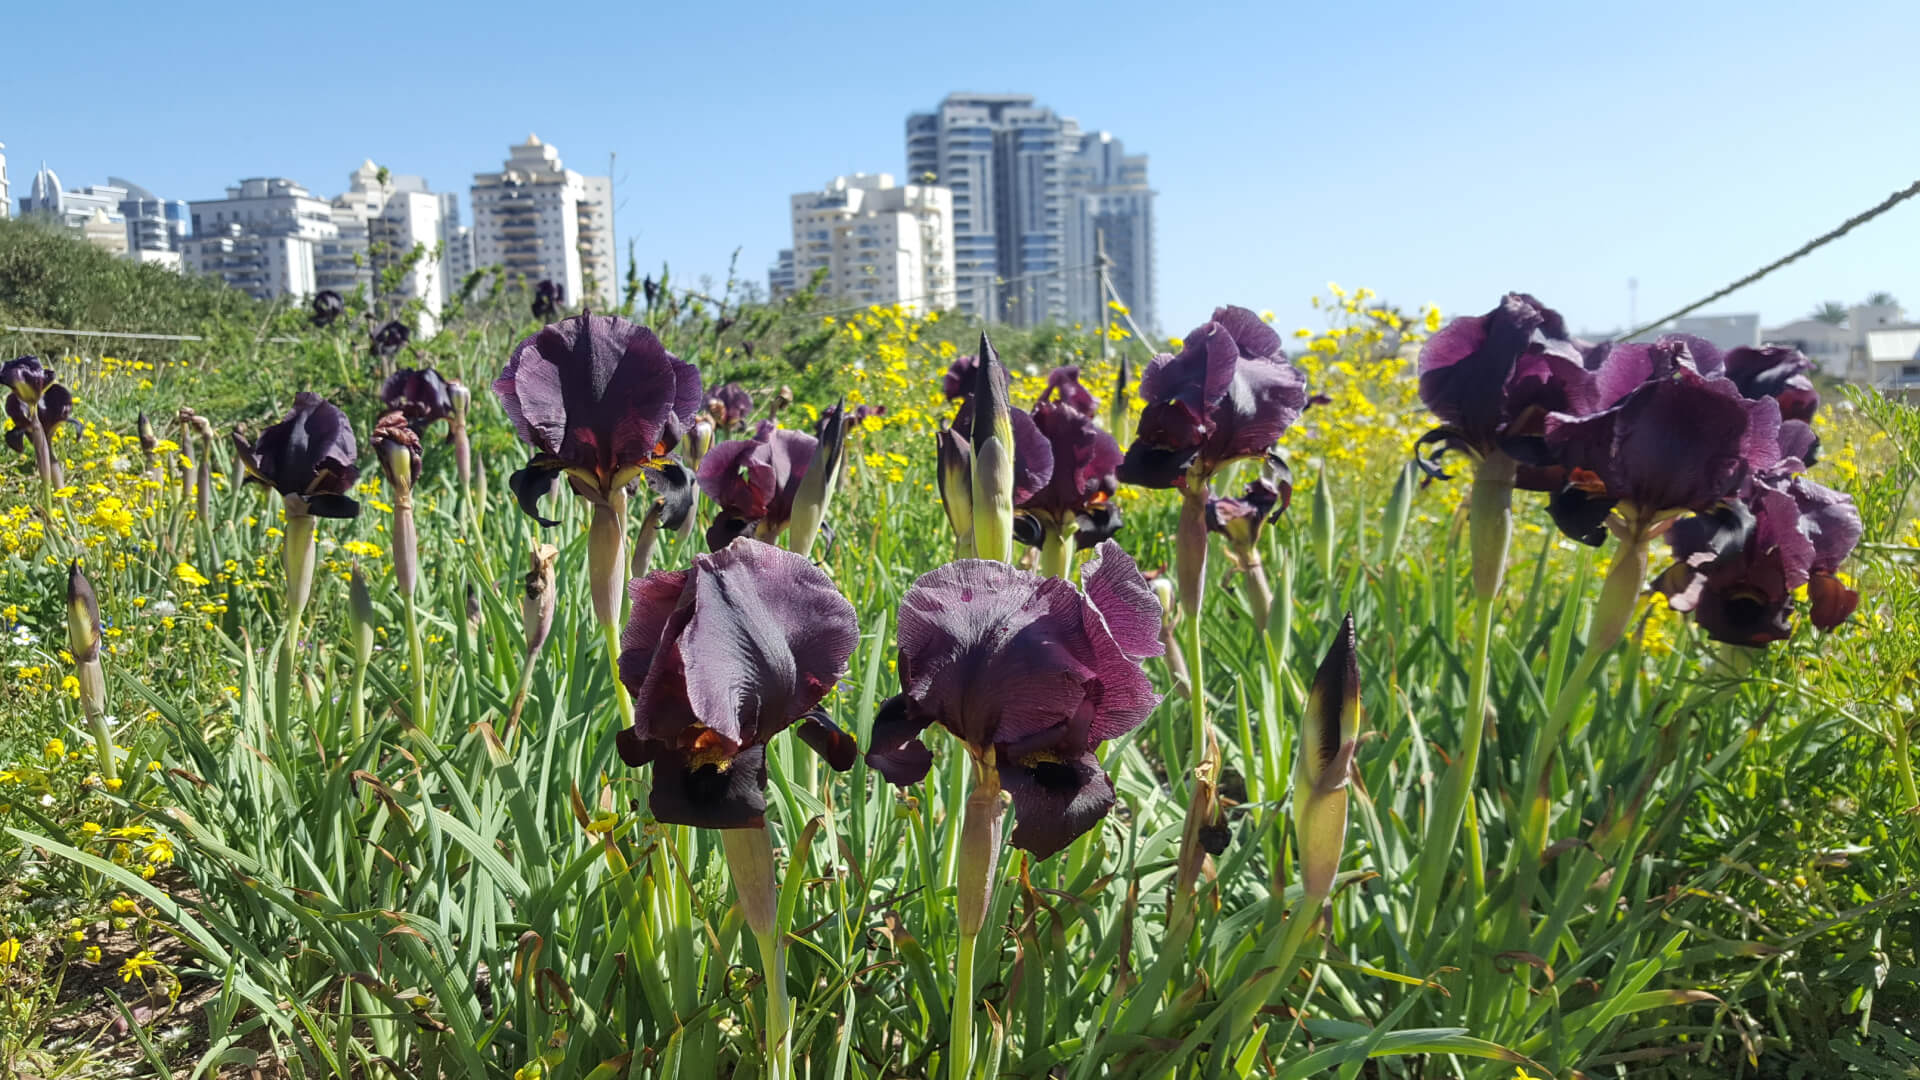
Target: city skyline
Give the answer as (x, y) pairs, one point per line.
(1467, 155)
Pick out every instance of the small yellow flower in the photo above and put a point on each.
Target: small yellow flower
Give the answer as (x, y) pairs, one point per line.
(9, 951)
(122, 905)
(54, 750)
(93, 954)
(91, 828)
(135, 966)
(188, 573)
(115, 784)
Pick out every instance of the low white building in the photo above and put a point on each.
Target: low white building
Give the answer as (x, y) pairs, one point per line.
(879, 243)
(1843, 350)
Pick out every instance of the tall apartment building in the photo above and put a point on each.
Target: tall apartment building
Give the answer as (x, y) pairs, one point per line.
(781, 281)
(1018, 172)
(261, 238)
(880, 243)
(379, 220)
(542, 220)
(1111, 202)
(6, 186)
(456, 246)
(154, 224)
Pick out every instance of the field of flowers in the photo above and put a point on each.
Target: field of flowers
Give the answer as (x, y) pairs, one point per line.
(1320, 755)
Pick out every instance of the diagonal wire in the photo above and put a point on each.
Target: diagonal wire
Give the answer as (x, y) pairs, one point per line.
(1822, 240)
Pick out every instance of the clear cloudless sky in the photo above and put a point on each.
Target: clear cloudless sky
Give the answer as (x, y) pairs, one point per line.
(1435, 152)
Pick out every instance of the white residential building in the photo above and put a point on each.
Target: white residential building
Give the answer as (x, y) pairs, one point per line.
(543, 221)
(6, 186)
(154, 224)
(781, 282)
(261, 237)
(879, 242)
(1873, 346)
(380, 220)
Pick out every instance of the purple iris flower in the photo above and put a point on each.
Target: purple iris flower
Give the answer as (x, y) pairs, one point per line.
(1264, 500)
(730, 406)
(32, 395)
(548, 297)
(390, 339)
(309, 455)
(1736, 570)
(1077, 499)
(1063, 386)
(1229, 394)
(1032, 675)
(327, 307)
(420, 393)
(1679, 441)
(1492, 379)
(599, 399)
(720, 658)
(958, 381)
(1778, 372)
(754, 481)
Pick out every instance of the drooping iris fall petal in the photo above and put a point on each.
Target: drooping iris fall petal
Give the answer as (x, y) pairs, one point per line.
(1063, 388)
(598, 398)
(720, 658)
(420, 393)
(1032, 675)
(309, 454)
(754, 482)
(1079, 492)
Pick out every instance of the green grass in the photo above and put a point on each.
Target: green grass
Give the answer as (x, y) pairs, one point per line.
(1731, 890)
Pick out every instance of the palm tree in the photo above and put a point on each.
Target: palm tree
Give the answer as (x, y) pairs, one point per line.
(1833, 313)
(1882, 299)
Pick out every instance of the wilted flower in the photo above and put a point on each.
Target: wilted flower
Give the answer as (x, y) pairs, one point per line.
(548, 297)
(1329, 733)
(1031, 675)
(1077, 501)
(421, 394)
(1737, 570)
(326, 308)
(1063, 386)
(754, 482)
(1239, 519)
(720, 659)
(536, 602)
(730, 407)
(308, 457)
(390, 339)
(397, 446)
(1229, 394)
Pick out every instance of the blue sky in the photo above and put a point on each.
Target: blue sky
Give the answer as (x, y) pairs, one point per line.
(1441, 152)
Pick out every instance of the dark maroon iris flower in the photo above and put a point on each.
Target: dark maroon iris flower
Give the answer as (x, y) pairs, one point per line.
(1681, 441)
(420, 393)
(390, 339)
(720, 659)
(309, 455)
(1736, 570)
(1063, 386)
(754, 481)
(1229, 394)
(1492, 379)
(1240, 519)
(861, 412)
(730, 406)
(1032, 675)
(1778, 372)
(548, 298)
(327, 307)
(958, 381)
(32, 392)
(1077, 498)
(599, 399)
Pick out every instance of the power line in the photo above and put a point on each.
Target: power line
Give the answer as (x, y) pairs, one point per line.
(1845, 227)
(998, 283)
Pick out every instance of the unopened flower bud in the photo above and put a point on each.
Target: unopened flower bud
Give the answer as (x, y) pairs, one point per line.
(992, 443)
(1329, 734)
(149, 440)
(955, 476)
(821, 478)
(1393, 524)
(360, 616)
(536, 607)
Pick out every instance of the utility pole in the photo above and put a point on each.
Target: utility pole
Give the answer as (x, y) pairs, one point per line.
(1100, 293)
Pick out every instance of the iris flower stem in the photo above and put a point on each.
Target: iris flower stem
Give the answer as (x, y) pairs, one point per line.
(612, 632)
(1259, 595)
(749, 855)
(973, 880)
(357, 704)
(1903, 757)
(297, 556)
(960, 1028)
(1275, 968)
(1056, 557)
(416, 659)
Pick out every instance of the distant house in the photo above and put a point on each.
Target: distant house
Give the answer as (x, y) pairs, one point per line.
(1892, 357)
(1843, 351)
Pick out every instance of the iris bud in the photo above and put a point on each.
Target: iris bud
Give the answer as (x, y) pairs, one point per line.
(1329, 733)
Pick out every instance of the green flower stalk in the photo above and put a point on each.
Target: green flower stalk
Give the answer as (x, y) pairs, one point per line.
(1169, 639)
(975, 872)
(820, 481)
(750, 860)
(461, 399)
(201, 430)
(83, 641)
(991, 439)
(360, 620)
(1325, 526)
(1118, 416)
(955, 476)
(397, 446)
(536, 618)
